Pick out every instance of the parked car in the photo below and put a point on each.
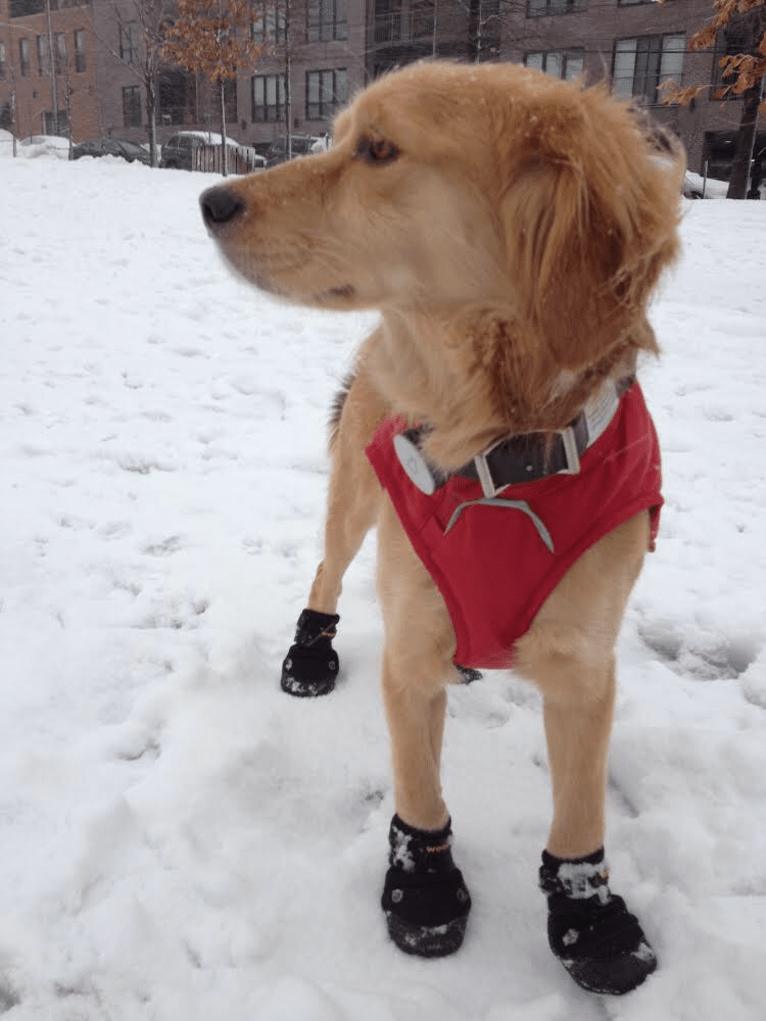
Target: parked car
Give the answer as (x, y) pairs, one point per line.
(301, 145)
(121, 147)
(695, 187)
(177, 150)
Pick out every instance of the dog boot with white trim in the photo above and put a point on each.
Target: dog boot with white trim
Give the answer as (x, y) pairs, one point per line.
(596, 938)
(425, 898)
(311, 665)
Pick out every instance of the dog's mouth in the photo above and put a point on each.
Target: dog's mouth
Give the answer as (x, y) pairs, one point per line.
(283, 280)
(335, 294)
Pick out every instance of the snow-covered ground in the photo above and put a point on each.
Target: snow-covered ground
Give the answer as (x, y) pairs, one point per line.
(182, 841)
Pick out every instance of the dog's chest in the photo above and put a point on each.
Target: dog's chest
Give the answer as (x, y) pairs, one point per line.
(495, 561)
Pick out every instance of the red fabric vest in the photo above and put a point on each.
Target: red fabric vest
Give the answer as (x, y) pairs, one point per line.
(490, 563)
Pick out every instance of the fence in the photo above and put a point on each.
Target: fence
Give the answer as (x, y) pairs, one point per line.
(209, 158)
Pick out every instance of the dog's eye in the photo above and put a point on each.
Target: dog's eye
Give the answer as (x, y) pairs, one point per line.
(376, 150)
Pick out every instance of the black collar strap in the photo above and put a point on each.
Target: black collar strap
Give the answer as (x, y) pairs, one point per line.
(523, 457)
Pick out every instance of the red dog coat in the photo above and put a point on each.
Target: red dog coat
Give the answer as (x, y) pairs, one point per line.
(492, 563)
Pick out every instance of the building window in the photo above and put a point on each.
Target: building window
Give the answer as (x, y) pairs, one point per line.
(268, 96)
(542, 8)
(55, 125)
(568, 64)
(736, 38)
(129, 43)
(59, 52)
(327, 20)
(79, 49)
(269, 27)
(178, 96)
(131, 106)
(43, 65)
(641, 65)
(326, 91)
(24, 57)
(3, 62)
(403, 20)
(23, 8)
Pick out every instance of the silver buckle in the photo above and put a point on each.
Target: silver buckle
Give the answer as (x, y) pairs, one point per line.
(570, 451)
(485, 475)
(488, 487)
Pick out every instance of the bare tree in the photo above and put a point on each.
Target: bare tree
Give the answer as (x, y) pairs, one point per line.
(212, 38)
(141, 25)
(151, 17)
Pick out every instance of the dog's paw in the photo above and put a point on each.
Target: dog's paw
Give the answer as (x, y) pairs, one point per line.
(311, 666)
(598, 941)
(426, 912)
(425, 898)
(308, 673)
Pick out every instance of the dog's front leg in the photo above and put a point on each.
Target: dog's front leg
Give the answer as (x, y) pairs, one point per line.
(425, 899)
(569, 653)
(353, 498)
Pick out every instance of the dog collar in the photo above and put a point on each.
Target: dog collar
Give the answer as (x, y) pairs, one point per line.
(522, 457)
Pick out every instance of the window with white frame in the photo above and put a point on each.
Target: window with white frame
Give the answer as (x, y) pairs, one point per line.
(568, 64)
(326, 91)
(642, 64)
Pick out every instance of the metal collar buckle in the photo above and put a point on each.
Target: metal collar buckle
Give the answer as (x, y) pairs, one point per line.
(484, 471)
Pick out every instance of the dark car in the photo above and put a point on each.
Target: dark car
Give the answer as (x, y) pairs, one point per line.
(301, 145)
(121, 147)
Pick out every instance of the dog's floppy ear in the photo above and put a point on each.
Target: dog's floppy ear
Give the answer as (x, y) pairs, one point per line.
(590, 217)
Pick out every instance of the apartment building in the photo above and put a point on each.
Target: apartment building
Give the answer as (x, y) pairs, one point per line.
(637, 46)
(47, 68)
(317, 53)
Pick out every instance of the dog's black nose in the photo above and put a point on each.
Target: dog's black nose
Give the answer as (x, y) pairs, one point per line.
(220, 206)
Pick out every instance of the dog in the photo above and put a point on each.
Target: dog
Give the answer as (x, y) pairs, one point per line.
(511, 229)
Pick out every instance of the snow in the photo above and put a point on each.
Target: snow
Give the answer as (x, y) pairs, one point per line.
(180, 838)
(46, 146)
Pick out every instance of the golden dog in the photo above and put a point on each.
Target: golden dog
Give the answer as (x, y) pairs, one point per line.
(510, 228)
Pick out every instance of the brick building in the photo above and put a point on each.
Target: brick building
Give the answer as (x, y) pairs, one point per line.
(327, 49)
(47, 68)
(636, 45)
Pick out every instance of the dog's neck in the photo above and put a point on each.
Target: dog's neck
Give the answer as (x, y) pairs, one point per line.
(475, 379)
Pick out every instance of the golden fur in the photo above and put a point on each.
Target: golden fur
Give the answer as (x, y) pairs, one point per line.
(510, 228)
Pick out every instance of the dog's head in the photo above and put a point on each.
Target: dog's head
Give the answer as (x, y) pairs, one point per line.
(452, 186)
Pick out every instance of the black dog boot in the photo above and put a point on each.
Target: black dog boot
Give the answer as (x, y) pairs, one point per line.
(591, 931)
(311, 664)
(425, 899)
